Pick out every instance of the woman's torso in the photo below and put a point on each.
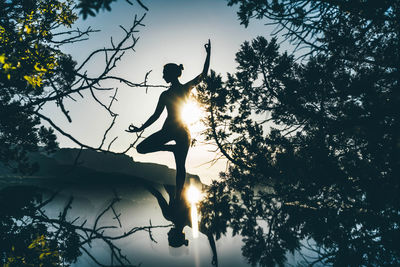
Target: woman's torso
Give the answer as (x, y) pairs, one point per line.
(175, 98)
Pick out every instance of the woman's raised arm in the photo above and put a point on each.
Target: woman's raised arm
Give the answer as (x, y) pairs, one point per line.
(153, 118)
(202, 75)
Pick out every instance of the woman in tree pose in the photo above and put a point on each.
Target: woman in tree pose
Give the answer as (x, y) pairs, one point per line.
(174, 128)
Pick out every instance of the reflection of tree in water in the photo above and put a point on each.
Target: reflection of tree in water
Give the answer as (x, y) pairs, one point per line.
(329, 233)
(26, 238)
(29, 237)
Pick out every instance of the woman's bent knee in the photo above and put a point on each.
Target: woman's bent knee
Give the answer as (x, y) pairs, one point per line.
(141, 149)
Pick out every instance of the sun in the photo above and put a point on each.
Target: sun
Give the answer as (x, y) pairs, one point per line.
(193, 194)
(191, 112)
(191, 115)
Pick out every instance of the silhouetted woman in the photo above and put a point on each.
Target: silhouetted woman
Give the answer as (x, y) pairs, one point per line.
(174, 128)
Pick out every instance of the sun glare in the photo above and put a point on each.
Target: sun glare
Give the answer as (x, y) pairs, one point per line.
(191, 114)
(193, 196)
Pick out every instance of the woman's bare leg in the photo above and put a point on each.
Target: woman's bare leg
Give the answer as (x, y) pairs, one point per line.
(165, 208)
(181, 151)
(155, 142)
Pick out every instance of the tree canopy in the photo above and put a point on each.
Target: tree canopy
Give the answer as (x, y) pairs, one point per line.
(35, 71)
(32, 237)
(91, 7)
(313, 145)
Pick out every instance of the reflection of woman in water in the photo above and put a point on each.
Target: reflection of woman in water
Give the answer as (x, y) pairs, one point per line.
(174, 128)
(178, 212)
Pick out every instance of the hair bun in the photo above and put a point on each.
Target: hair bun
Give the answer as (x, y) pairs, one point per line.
(181, 66)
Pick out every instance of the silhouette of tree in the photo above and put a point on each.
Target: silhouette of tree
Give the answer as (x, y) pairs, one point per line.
(313, 146)
(32, 238)
(91, 7)
(359, 31)
(35, 71)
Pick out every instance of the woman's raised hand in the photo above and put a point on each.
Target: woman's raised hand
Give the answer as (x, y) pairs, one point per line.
(133, 129)
(207, 46)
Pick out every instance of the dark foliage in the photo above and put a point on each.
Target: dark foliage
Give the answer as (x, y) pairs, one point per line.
(34, 71)
(313, 146)
(91, 7)
(29, 237)
(359, 31)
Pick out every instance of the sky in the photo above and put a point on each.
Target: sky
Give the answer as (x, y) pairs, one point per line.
(175, 31)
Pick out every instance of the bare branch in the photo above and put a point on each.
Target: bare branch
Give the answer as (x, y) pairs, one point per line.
(141, 4)
(76, 38)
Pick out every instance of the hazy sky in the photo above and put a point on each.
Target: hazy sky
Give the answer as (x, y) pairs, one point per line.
(175, 31)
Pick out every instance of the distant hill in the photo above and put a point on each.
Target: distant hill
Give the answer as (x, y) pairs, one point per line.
(105, 167)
